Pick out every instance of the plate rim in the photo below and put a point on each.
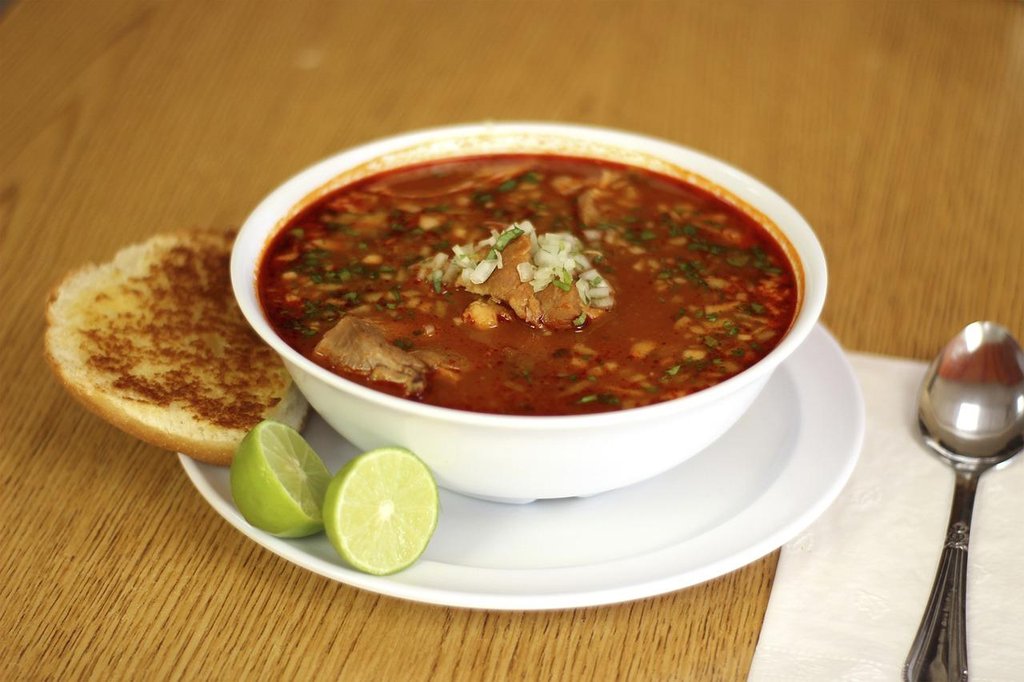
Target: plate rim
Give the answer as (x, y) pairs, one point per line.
(406, 586)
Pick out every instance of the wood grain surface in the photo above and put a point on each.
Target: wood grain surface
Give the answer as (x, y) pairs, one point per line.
(896, 128)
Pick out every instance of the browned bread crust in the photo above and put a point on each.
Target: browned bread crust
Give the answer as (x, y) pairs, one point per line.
(153, 342)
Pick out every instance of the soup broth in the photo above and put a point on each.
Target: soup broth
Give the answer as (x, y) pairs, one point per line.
(528, 284)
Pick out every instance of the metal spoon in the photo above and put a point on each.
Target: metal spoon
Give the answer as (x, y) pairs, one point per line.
(971, 413)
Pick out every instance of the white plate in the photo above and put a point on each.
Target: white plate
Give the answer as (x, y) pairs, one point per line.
(750, 492)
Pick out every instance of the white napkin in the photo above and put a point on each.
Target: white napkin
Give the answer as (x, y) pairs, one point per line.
(850, 591)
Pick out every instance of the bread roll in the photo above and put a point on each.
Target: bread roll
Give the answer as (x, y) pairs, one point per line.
(153, 342)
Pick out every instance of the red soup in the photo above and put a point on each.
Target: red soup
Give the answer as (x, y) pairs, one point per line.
(532, 285)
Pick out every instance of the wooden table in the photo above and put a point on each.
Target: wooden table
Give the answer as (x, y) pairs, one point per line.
(897, 128)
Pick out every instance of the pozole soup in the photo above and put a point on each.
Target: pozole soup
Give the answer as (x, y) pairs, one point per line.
(528, 284)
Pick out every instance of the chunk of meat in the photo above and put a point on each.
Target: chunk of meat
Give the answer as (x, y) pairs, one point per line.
(559, 308)
(566, 185)
(444, 363)
(586, 206)
(429, 186)
(360, 346)
(551, 307)
(504, 284)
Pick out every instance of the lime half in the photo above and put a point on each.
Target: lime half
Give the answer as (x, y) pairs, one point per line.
(278, 482)
(381, 510)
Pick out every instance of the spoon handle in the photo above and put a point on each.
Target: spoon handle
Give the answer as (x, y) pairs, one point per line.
(939, 651)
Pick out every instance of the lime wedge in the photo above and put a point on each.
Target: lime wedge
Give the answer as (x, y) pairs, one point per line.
(278, 482)
(381, 510)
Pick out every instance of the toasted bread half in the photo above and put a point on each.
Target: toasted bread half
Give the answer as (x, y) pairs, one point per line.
(154, 343)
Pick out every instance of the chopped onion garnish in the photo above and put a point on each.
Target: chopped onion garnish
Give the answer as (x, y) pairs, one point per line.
(546, 259)
(482, 271)
(463, 258)
(555, 258)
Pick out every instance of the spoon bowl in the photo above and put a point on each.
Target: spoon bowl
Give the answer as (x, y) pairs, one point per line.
(971, 415)
(972, 398)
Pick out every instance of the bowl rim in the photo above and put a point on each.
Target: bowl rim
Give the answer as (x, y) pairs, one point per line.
(301, 188)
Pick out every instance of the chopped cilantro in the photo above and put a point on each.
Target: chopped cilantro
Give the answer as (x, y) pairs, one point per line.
(506, 237)
(604, 398)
